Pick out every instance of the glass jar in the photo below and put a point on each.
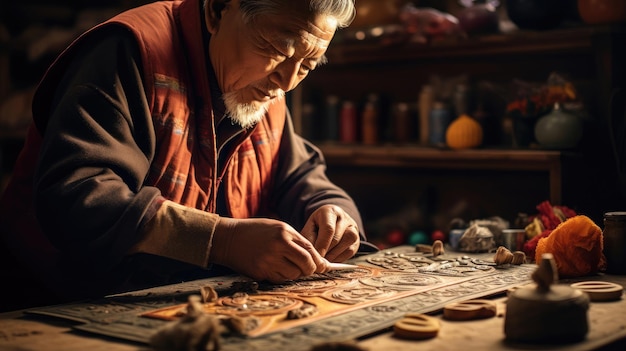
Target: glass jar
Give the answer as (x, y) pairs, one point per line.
(614, 234)
(440, 118)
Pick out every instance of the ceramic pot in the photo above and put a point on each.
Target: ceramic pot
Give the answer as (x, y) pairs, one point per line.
(479, 19)
(602, 11)
(536, 14)
(559, 129)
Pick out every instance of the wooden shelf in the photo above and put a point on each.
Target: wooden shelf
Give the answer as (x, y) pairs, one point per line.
(566, 40)
(589, 56)
(358, 156)
(416, 156)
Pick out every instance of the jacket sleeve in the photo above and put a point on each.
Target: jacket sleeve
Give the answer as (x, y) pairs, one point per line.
(302, 185)
(97, 149)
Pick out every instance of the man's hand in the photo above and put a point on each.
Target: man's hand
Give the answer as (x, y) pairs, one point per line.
(333, 232)
(265, 249)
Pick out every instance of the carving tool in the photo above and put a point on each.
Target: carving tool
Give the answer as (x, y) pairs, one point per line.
(332, 266)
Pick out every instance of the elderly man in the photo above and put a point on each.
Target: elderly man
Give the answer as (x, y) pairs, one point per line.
(162, 149)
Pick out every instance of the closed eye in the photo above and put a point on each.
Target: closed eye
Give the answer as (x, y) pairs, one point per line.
(313, 64)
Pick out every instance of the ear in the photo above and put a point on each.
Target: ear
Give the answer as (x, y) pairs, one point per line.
(213, 13)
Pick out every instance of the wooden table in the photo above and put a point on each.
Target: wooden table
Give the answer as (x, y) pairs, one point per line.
(607, 331)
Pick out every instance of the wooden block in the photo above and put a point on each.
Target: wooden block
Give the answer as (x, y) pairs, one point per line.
(416, 326)
(470, 310)
(600, 291)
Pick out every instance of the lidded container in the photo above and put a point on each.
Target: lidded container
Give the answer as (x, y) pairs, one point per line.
(614, 235)
(546, 312)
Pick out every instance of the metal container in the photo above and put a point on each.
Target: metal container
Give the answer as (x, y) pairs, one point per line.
(514, 239)
(614, 235)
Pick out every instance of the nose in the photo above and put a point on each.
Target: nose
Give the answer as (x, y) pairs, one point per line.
(285, 75)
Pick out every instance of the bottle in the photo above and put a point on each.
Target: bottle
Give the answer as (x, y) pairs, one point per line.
(308, 117)
(440, 118)
(461, 100)
(369, 123)
(614, 235)
(425, 103)
(331, 130)
(347, 123)
(401, 122)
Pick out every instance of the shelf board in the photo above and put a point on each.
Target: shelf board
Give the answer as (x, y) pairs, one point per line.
(358, 156)
(425, 157)
(565, 40)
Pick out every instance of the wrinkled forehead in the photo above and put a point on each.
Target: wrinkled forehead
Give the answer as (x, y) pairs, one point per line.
(317, 33)
(303, 43)
(298, 28)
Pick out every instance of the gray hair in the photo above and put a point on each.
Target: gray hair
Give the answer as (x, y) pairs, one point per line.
(342, 10)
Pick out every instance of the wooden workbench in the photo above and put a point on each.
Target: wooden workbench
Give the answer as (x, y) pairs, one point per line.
(607, 331)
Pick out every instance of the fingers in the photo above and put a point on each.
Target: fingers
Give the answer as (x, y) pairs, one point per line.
(267, 249)
(310, 229)
(288, 271)
(337, 236)
(287, 261)
(334, 234)
(327, 236)
(314, 262)
(331, 224)
(346, 249)
(273, 250)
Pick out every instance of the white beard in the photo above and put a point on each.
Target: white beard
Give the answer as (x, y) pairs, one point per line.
(248, 114)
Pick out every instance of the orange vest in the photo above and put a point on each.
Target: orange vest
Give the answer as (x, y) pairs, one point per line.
(185, 164)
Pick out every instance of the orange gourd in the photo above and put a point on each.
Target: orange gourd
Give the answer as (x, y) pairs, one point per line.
(464, 133)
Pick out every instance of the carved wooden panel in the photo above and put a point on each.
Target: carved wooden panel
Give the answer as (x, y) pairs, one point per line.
(350, 303)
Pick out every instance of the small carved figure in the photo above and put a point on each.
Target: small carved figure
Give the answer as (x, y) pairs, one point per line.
(503, 256)
(240, 297)
(438, 248)
(208, 294)
(519, 257)
(304, 311)
(240, 325)
(196, 330)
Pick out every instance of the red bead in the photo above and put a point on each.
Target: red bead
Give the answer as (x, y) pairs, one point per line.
(437, 235)
(396, 237)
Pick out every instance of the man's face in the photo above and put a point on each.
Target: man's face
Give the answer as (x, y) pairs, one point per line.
(258, 62)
